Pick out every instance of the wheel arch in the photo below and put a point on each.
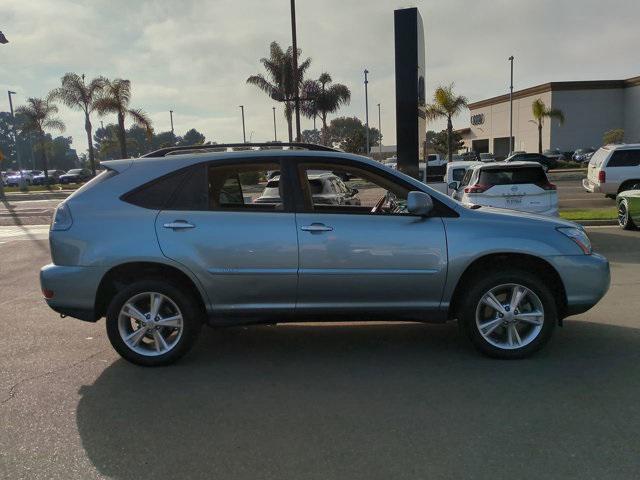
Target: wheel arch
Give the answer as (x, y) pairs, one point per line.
(627, 182)
(495, 261)
(127, 273)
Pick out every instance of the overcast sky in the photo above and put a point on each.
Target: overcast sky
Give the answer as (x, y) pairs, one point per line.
(193, 56)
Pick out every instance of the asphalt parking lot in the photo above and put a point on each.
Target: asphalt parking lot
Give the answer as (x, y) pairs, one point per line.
(310, 401)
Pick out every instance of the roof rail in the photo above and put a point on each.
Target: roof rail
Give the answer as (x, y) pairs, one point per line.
(222, 147)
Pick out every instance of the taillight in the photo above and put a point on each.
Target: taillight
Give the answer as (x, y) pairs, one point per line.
(477, 188)
(602, 176)
(547, 186)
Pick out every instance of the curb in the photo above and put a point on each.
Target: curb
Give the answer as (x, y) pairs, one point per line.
(595, 223)
(568, 170)
(19, 196)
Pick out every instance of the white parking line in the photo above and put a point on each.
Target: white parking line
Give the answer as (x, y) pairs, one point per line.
(24, 232)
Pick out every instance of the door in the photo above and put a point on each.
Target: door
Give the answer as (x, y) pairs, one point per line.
(235, 235)
(370, 256)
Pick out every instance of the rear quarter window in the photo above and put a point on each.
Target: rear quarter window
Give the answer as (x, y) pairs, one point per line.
(156, 194)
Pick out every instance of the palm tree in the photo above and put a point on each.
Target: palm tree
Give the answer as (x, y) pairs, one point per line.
(279, 82)
(322, 99)
(38, 116)
(115, 98)
(446, 104)
(540, 112)
(78, 95)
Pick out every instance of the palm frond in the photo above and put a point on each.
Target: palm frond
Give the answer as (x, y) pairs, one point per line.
(141, 119)
(53, 124)
(104, 105)
(555, 113)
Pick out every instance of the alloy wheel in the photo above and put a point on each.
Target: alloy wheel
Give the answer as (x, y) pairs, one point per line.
(510, 316)
(623, 214)
(150, 324)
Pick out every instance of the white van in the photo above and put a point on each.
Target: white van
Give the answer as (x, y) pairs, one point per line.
(613, 169)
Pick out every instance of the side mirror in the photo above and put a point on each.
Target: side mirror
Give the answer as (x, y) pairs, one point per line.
(454, 185)
(419, 203)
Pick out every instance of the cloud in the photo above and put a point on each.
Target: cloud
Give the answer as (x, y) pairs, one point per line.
(194, 56)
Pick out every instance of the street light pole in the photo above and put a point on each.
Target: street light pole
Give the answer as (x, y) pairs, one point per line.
(15, 139)
(173, 135)
(244, 136)
(296, 89)
(379, 132)
(275, 133)
(511, 108)
(366, 107)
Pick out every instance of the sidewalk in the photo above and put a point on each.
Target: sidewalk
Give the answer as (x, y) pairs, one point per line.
(19, 196)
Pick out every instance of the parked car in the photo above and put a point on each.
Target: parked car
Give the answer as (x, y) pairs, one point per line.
(628, 202)
(326, 188)
(54, 177)
(455, 174)
(613, 169)
(487, 157)
(583, 155)
(547, 162)
(76, 175)
(27, 175)
(164, 244)
(556, 154)
(521, 186)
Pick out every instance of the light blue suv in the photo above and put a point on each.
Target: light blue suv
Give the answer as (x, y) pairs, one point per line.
(161, 245)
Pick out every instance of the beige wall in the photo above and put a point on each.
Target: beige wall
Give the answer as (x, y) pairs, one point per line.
(496, 124)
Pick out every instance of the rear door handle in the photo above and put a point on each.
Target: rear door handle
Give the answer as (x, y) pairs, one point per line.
(316, 227)
(179, 225)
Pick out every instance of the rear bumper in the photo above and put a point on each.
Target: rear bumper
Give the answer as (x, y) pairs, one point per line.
(74, 289)
(606, 188)
(586, 280)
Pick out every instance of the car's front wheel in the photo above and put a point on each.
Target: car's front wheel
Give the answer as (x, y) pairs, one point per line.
(153, 322)
(624, 218)
(508, 314)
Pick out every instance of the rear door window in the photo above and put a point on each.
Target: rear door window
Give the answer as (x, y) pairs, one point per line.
(512, 176)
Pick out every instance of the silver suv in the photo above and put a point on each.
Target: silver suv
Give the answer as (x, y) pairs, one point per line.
(164, 244)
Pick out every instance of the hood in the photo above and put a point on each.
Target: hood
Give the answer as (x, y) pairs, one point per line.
(505, 214)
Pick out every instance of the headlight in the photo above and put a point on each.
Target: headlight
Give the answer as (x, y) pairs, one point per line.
(579, 236)
(62, 219)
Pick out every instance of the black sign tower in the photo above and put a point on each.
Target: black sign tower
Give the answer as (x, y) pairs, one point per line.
(410, 89)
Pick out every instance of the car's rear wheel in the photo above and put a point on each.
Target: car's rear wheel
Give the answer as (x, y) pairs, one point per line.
(624, 218)
(153, 322)
(508, 314)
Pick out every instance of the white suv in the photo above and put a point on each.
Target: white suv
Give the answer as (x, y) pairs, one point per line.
(521, 186)
(613, 169)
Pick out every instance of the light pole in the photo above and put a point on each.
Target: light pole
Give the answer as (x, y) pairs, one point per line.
(379, 132)
(296, 90)
(173, 135)
(511, 108)
(15, 139)
(366, 107)
(275, 133)
(244, 136)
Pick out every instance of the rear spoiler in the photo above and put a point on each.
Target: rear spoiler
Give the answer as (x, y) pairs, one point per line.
(118, 166)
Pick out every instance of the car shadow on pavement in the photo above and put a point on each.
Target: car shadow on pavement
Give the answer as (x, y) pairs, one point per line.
(370, 401)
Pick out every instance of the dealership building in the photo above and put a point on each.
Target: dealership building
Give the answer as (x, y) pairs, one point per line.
(590, 108)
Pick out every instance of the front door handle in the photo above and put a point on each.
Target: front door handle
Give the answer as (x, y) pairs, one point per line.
(179, 225)
(316, 227)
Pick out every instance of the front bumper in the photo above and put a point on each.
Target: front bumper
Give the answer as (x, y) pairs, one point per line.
(586, 280)
(74, 289)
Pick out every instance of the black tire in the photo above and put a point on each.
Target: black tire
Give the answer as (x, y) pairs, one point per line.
(624, 217)
(192, 318)
(478, 286)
